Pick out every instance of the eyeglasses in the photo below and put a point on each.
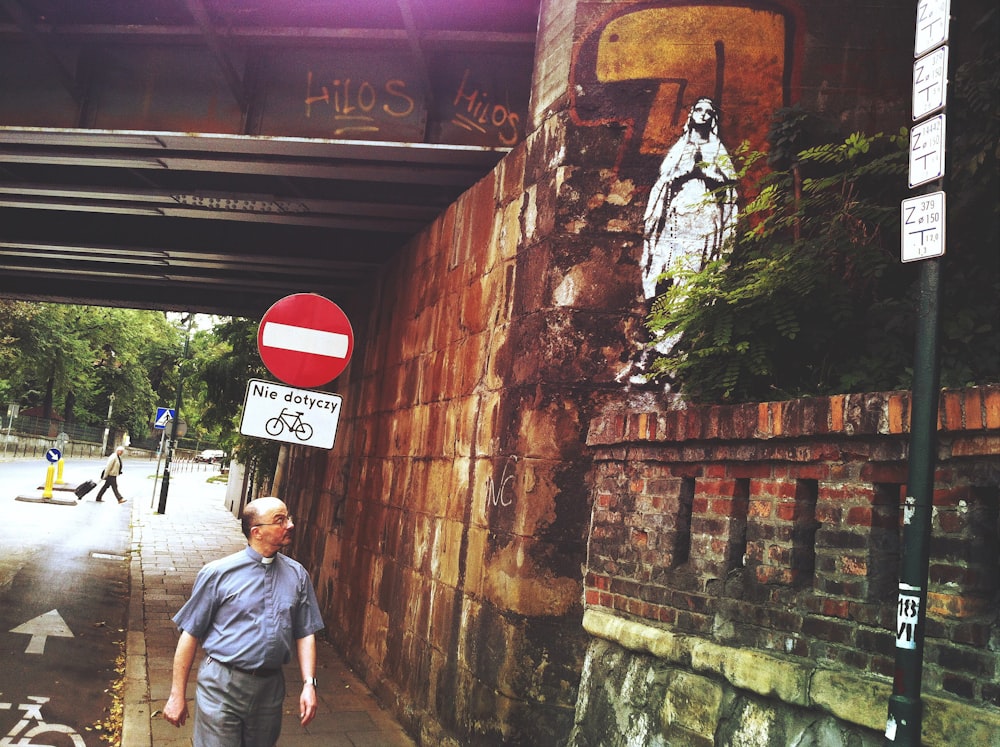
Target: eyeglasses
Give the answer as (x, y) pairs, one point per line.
(279, 521)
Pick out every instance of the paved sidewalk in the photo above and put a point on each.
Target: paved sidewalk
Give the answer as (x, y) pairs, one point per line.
(167, 552)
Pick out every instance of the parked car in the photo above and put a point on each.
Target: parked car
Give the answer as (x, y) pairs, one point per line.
(210, 456)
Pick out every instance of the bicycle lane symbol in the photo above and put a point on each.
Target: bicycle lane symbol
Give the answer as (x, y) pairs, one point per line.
(27, 732)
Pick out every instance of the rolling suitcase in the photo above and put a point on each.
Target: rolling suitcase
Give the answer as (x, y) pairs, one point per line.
(83, 488)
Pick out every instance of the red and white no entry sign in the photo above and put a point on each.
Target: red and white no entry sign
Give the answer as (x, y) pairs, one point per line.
(305, 340)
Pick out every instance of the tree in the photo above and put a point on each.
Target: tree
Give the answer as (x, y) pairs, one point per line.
(80, 355)
(225, 367)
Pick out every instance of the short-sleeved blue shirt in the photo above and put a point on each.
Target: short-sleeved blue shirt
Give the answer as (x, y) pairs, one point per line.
(249, 613)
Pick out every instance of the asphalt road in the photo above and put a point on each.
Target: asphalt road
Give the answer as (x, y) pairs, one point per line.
(63, 601)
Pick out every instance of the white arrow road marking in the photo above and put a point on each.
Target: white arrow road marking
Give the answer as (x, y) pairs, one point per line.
(305, 340)
(40, 628)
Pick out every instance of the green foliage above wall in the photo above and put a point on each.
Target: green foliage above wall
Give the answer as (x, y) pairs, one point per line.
(811, 297)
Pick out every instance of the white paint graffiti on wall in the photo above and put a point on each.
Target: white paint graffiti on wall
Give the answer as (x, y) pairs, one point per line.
(497, 491)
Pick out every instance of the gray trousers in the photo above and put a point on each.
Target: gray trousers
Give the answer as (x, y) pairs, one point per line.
(110, 482)
(235, 709)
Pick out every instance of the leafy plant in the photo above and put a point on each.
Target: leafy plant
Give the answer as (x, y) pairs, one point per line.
(810, 297)
(225, 366)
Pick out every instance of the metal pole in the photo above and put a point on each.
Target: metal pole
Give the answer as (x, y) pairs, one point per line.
(904, 724)
(159, 457)
(172, 443)
(107, 423)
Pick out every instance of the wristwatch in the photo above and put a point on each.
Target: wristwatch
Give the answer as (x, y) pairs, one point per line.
(311, 681)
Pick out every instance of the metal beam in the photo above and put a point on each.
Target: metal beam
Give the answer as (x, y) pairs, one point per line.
(474, 157)
(297, 35)
(413, 39)
(27, 26)
(368, 216)
(222, 59)
(280, 264)
(352, 171)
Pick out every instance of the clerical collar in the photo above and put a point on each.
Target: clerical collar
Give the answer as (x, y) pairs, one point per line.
(260, 558)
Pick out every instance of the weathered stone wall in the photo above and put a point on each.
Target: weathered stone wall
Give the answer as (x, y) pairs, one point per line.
(745, 558)
(448, 527)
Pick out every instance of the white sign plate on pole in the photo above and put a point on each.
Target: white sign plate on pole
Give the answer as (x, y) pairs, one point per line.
(927, 151)
(932, 25)
(907, 615)
(930, 83)
(297, 416)
(923, 222)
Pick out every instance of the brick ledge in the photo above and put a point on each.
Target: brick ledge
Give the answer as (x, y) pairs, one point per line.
(974, 410)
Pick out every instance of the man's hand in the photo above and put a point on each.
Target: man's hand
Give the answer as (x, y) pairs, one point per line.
(307, 704)
(176, 710)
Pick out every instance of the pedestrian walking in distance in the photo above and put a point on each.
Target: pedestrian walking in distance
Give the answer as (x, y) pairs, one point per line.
(248, 611)
(110, 475)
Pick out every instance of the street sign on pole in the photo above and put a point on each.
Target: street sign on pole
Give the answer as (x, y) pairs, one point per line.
(296, 416)
(305, 340)
(932, 25)
(927, 151)
(930, 83)
(163, 416)
(923, 227)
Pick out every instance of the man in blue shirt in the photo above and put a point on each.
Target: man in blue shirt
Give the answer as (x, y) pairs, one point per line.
(248, 611)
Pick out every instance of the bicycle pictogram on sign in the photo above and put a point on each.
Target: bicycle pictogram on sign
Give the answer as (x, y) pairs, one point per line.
(292, 421)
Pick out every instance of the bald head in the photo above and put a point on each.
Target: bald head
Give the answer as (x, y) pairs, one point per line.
(259, 511)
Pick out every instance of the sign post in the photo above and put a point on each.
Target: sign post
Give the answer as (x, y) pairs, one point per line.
(922, 222)
(161, 507)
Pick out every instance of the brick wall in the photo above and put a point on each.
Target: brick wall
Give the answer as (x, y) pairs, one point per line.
(777, 527)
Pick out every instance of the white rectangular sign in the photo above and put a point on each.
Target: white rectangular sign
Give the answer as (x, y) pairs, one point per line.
(927, 151)
(930, 83)
(923, 222)
(297, 416)
(932, 25)
(907, 615)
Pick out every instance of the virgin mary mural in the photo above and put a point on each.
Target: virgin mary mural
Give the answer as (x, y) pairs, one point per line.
(692, 206)
(691, 210)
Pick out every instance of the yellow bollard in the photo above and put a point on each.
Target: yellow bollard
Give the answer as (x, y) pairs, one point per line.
(59, 472)
(49, 476)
